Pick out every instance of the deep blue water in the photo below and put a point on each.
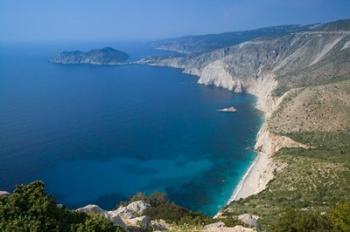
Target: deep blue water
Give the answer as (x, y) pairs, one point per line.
(97, 134)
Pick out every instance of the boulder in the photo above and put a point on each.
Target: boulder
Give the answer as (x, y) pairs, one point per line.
(4, 194)
(250, 220)
(159, 225)
(141, 222)
(91, 209)
(124, 216)
(123, 212)
(138, 207)
(132, 210)
(116, 219)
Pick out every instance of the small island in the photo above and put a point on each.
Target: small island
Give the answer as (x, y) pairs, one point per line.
(104, 56)
(229, 109)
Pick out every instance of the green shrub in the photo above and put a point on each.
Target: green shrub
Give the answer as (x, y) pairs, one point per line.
(162, 208)
(139, 197)
(340, 217)
(302, 221)
(29, 208)
(158, 198)
(336, 219)
(96, 223)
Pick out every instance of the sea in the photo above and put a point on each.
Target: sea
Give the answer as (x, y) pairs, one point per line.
(99, 134)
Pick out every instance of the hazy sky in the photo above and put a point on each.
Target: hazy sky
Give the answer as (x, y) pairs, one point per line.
(22, 20)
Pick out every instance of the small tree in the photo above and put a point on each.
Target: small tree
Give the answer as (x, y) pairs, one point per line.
(158, 198)
(139, 197)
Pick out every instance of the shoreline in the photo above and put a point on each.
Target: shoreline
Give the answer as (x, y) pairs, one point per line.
(243, 180)
(258, 174)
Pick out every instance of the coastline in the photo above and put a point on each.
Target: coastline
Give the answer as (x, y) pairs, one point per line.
(243, 181)
(258, 174)
(261, 170)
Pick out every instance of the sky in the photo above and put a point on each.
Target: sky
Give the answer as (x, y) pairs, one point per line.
(65, 20)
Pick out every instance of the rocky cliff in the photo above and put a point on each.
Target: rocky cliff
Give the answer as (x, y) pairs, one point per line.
(272, 69)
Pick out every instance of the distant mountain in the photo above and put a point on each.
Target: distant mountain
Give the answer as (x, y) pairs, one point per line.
(104, 56)
(339, 25)
(209, 42)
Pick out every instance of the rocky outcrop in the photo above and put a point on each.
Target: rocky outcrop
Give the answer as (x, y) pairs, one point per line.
(130, 215)
(132, 210)
(142, 222)
(4, 193)
(91, 209)
(250, 220)
(159, 225)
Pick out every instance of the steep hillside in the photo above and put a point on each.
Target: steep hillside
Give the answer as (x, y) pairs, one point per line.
(297, 60)
(317, 108)
(302, 83)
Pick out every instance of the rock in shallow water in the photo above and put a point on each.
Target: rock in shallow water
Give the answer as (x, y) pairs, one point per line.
(228, 109)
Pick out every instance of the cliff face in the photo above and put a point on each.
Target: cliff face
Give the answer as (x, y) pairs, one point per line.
(269, 68)
(294, 60)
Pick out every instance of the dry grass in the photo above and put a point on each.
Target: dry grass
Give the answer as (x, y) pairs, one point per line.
(319, 108)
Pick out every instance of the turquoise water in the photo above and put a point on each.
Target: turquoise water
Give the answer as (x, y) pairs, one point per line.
(97, 134)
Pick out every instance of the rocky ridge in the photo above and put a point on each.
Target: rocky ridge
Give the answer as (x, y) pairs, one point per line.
(132, 218)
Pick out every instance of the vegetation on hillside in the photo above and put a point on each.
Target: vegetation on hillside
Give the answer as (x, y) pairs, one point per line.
(163, 208)
(29, 208)
(336, 219)
(313, 181)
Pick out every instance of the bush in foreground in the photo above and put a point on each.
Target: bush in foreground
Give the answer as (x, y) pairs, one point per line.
(29, 208)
